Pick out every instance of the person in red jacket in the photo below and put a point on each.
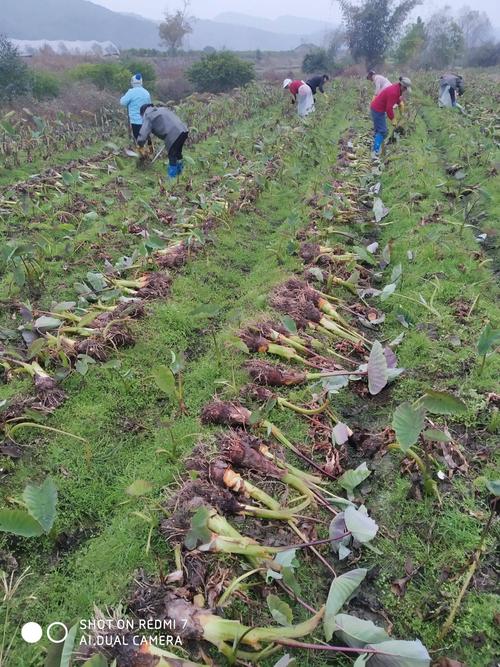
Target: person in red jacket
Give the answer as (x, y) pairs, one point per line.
(302, 92)
(383, 105)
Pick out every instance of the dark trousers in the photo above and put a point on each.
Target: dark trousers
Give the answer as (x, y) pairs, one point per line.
(135, 131)
(175, 150)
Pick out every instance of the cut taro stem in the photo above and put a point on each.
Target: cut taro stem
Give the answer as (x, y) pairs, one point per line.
(327, 326)
(301, 475)
(287, 353)
(160, 658)
(299, 533)
(275, 431)
(326, 647)
(282, 402)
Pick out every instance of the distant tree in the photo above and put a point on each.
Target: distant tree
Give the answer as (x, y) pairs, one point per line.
(373, 25)
(175, 27)
(218, 72)
(209, 49)
(144, 67)
(411, 44)
(14, 74)
(335, 40)
(444, 41)
(258, 55)
(486, 55)
(475, 26)
(316, 60)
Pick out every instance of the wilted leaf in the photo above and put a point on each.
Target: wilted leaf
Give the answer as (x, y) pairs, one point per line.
(379, 210)
(199, 532)
(341, 590)
(285, 661)
(356, 632)
(377, 369)
(396, 274)
(408, 422)
(442, 403)
(362, 527)
(45, 323)
(337, 532)
(352, 478)
(18, 522)
(97, 660)
(280, 610)
(340, 433)
(41, 503)
(139, 488)
(399, 653)
(335, 383)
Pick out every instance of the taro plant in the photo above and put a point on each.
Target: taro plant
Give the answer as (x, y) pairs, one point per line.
(409, 423)
(37, 511)
(170, 380)
(488, 341)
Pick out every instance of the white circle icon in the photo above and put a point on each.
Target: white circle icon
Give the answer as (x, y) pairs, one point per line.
(31, 633)
(57, 624)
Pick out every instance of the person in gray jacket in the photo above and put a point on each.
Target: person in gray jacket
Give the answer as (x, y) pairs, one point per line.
(166, 125)
(449, 86)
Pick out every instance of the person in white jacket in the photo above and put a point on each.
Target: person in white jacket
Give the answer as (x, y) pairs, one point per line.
(379, 81)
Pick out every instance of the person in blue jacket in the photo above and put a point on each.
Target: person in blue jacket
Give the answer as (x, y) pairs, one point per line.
(134, 99)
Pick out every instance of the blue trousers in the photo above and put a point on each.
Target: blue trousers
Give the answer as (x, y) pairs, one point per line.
(379, 129)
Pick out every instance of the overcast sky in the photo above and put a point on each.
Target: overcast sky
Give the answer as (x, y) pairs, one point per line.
(320, 9)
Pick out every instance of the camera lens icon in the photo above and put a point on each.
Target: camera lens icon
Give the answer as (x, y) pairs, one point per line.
(33, 632)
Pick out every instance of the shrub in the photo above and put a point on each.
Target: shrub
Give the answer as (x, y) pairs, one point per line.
(111, 76)
(316, 60)
(144, 67)
(218, 72)
(14, 73)
(44, 85)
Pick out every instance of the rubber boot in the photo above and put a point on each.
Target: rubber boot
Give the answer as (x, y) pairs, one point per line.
(377, 142)
(172, 171)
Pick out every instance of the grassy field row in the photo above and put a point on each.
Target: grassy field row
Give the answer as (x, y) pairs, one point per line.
(135, 434)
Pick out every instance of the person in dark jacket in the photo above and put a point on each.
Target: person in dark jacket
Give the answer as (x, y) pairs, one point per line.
(166, 125)
(449, 86)
(317, 83)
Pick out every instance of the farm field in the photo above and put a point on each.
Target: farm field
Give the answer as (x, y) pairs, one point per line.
(280, 369)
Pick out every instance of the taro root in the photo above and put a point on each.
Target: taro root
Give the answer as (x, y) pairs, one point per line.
(257, 393)
(48, 393)
(92, 347)
(177, 255)
(156, 285)
(243, 449)
(225, 414)
(273, 375)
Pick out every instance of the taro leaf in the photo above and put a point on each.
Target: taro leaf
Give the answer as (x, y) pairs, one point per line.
(199, 532)
(165, 380)
(460, 175)
(387, 291)
(335, 383)
(352, 478)
(290, 580)
(391, 358)
(18, 522)
(488, 340)
(340, 434)
(396, 274)
(316, 273)
(97, 281)
(82, 364)
(68, 178)
(386, 256)
(362, 527)
(408, 422)
(140, 487)
(285, 661)
(45, 323)
(356, 632)
(341, 590)
(377, 369)
(399, 653)
(442, 403)
(337, 532)
(68, 646)
(493, 486)
(289, 324)
(363, 254)
(280, 610)
(434, 435)
(41, 503)
(178, 362)
(62, 306)
(36, 347)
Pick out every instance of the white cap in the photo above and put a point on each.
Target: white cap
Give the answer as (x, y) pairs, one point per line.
(286, 83)
(406, 82)
(136, 80)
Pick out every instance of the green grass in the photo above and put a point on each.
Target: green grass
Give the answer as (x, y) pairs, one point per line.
(130, 426)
